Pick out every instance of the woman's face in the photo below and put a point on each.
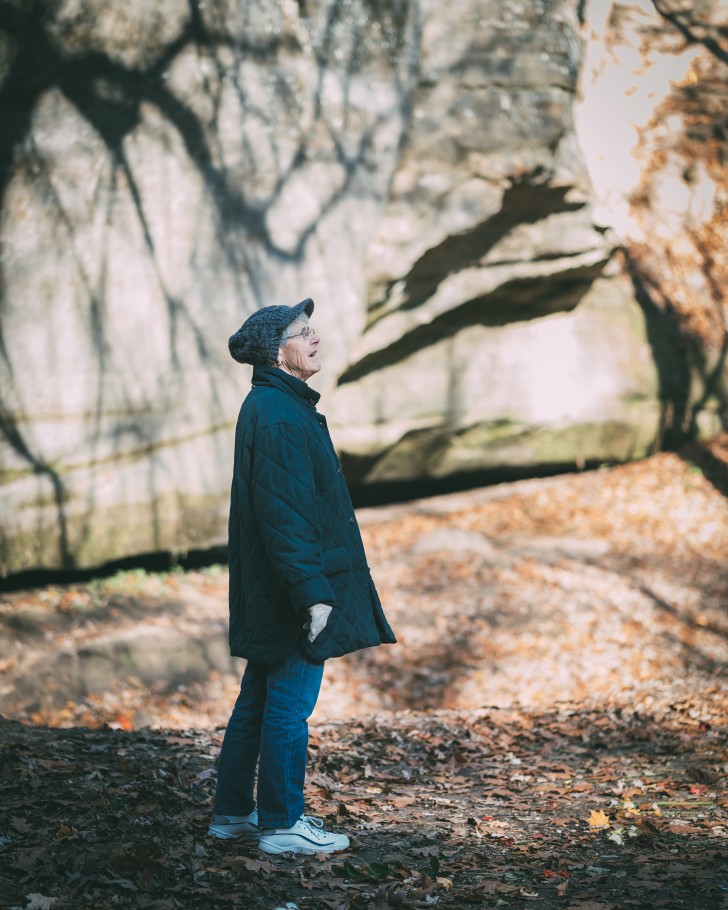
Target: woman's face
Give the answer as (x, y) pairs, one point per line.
(299, 355)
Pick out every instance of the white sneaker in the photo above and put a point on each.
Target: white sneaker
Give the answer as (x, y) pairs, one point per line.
(226, 826)
(306, 836)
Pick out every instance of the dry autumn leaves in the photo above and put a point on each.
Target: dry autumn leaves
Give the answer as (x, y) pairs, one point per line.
(550, 733)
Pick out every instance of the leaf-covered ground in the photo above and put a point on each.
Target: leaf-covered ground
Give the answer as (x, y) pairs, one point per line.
(567, 588)
(550, 732)
(581, 807)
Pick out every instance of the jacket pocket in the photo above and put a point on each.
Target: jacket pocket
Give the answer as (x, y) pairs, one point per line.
(336, 564)
(327, 643)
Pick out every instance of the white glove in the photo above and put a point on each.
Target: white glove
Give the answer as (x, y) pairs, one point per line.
(319, 614)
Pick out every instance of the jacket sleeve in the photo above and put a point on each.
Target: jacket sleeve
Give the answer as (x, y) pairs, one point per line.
(284, 502)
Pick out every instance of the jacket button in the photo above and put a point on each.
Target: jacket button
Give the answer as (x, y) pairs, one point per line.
(351, 520)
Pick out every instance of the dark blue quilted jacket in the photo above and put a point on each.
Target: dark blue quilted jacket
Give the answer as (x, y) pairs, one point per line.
(293, 538)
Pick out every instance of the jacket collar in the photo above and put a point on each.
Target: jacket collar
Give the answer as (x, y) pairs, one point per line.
(272, 377)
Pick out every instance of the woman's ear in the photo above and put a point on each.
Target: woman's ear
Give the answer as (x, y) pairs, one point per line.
(279, 358)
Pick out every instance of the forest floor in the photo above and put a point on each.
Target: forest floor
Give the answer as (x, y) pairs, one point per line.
(549, 732)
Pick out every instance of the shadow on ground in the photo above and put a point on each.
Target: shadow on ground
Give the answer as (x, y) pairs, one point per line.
(575, 807)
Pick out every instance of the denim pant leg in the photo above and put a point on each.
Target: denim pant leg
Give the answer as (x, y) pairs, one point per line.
(241, 745)
(293, 688)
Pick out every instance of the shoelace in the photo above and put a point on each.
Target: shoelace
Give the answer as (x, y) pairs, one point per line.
(313, 821)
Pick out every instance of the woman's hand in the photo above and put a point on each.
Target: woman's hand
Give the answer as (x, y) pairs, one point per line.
(319, 614)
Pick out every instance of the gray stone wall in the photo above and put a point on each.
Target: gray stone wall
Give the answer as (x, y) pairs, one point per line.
(167, 168)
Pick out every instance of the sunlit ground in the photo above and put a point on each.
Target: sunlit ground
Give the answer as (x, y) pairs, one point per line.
(588, 587)
(588, 613)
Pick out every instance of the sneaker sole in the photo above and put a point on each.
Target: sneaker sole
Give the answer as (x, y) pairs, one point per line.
(300, 849)
(226, 835)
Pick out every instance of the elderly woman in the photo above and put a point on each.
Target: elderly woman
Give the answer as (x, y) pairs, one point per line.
(300, 588)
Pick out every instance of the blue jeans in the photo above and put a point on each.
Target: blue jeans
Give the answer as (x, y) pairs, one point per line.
(269, 727)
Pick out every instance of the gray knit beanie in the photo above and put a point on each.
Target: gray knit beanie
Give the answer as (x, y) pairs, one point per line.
(259, 337)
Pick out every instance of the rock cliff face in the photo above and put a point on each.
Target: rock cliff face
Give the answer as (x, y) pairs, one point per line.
(475, 354)
(167, 168)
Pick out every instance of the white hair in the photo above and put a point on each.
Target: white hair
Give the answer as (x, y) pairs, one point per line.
(284, 337)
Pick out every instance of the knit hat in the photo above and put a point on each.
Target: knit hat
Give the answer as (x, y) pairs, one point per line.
(259, 337)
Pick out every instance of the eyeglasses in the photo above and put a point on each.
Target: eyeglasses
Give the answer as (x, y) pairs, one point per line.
(304, 333)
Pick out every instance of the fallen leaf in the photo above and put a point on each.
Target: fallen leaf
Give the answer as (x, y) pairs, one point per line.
(598, 819)
(617, 836)
(39, 902)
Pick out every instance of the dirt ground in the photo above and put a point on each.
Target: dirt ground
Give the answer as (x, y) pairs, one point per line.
(550, 730)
